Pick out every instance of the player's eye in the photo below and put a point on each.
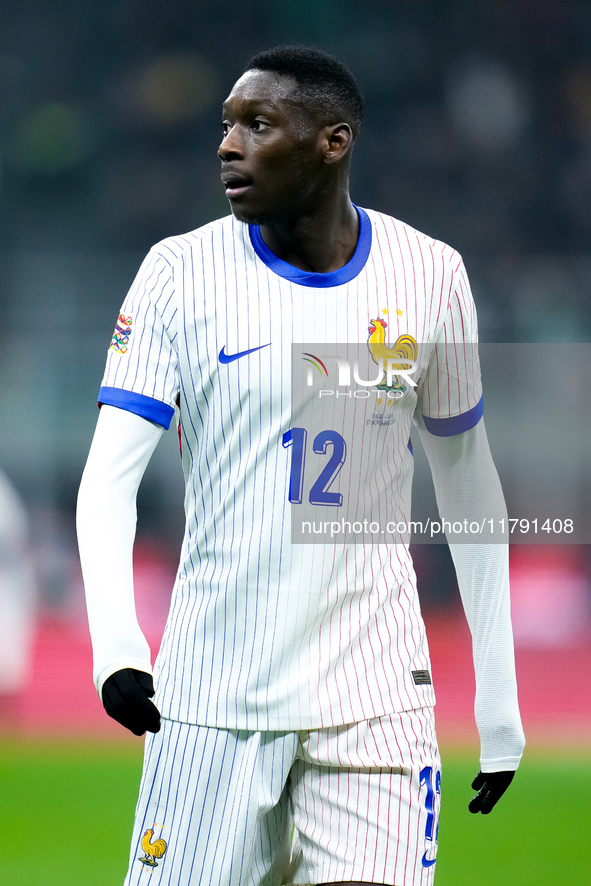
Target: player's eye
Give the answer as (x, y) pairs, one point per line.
(225, 128)
(258, 124)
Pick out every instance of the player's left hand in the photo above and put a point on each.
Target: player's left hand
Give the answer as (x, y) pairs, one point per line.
(490, 786)
(126, 698)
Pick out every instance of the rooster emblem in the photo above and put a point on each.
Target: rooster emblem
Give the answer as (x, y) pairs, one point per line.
(153, 849)
(404, 348)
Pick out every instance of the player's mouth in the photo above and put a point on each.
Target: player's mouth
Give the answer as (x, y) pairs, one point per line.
(235, 185)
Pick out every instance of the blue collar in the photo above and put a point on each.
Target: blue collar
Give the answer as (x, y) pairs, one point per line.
(309, 278)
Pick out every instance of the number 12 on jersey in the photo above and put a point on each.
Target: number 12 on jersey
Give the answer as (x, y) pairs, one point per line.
(296, 438)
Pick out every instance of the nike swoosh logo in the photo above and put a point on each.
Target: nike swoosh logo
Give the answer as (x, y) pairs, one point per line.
(229, 358)
(427, 863)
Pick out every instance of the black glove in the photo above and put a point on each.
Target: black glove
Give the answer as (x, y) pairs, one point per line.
(490, 786)
(126, 697)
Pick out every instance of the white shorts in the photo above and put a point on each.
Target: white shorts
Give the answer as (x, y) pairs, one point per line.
(240, 808)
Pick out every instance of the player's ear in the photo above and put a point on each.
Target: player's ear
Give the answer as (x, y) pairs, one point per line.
(337, 142)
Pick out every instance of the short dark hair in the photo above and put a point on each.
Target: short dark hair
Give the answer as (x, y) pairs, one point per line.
(326, 85)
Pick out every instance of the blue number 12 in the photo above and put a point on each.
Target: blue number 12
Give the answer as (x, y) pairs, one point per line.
(319, 494)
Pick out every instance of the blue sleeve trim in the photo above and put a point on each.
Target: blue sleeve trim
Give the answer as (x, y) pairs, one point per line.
(449, 427)
(139, 404)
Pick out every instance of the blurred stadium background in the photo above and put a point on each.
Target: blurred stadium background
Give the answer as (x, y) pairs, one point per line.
(478, 131)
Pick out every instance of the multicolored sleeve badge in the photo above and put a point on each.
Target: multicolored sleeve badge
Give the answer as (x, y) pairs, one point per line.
(122, 334)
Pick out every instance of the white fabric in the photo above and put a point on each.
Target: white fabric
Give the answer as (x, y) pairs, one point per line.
(106, 519)
(468, 488)
(464, 478)
(363, 801)
(262, 633)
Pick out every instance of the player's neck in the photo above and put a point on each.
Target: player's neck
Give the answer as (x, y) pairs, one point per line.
(323, 241)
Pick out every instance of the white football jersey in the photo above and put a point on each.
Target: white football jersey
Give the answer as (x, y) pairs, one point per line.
(265, 633)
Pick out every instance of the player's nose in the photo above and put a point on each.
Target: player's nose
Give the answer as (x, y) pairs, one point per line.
(231, 147)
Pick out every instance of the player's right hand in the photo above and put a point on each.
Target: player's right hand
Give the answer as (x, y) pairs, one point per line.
(126, 697)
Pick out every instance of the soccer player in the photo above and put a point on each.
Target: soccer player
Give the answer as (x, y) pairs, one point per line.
(291, 729)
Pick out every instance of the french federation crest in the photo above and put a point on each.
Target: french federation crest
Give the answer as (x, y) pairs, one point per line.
(153, 848)
(404, 349)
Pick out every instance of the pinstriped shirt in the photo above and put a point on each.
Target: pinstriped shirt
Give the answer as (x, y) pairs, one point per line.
(264, 633)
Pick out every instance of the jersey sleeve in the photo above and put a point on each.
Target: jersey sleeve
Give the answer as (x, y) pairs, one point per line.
(141, 375)
(450, 394)
(468, 489)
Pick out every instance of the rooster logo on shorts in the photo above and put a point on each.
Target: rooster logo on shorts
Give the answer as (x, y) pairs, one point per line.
(153, 849)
